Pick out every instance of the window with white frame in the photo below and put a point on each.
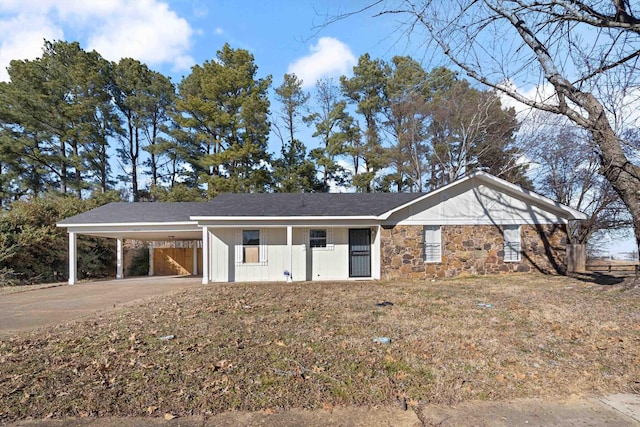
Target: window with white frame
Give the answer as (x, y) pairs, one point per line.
(318, 238)
(432, 243)
(250, 247)
(511, 235)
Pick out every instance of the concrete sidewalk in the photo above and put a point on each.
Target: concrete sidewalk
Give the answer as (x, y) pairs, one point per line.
(24, 311)
(614, 410)
(620, 410)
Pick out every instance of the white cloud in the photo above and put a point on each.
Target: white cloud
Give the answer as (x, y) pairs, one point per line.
(219, 30)
(329, 58)
(146, 30)
(542, 93)
(622, 107)
(23, 37)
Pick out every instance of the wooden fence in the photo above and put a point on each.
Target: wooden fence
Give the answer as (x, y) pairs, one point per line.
(175, 261)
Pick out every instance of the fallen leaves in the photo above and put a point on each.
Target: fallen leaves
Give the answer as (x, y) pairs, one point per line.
(271, 347)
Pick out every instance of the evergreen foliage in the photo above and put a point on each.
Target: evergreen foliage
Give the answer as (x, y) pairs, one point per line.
(35, 250)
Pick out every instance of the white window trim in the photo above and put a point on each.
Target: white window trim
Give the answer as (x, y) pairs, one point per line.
(262, 248)
(512, 249)
(307, 240)
(435, 245)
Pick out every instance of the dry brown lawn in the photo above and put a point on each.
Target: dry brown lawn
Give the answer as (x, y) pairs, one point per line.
(311, 345)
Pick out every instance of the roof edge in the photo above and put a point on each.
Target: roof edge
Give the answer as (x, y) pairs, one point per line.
(499, 182)
(281, 218)
(121, 224)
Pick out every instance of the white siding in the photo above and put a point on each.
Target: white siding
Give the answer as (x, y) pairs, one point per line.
(299, 258)
(222, 255)
(471, 205)
(271, 268)
(331, 263)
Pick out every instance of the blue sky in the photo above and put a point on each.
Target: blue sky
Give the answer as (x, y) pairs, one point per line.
(172, 35)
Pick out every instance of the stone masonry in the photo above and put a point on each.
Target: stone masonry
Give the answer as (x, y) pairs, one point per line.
(471, 250)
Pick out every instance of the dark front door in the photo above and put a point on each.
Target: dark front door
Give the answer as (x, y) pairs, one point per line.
(360, 252)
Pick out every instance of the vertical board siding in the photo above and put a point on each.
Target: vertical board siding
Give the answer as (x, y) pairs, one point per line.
(175, 261)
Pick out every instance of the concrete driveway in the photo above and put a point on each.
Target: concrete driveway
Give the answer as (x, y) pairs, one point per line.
(29, 310)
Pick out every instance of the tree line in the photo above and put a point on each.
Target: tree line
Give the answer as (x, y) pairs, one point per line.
(591, 82)
(74, 123)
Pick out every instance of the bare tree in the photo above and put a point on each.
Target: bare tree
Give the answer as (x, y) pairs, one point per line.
(566, 169)
(575, 58)
(469, 131)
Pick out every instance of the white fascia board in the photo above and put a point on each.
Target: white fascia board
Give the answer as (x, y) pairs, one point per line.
(500, 183)
(472, 222)
(291, 219)
(301, 222)
(129, 224)
(297, 225)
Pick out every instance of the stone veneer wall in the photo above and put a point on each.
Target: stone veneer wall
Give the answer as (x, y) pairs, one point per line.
(471, 250)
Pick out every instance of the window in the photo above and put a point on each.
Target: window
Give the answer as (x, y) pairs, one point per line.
(511, 243)
(432, 243)
(318, 238)
(251, 247)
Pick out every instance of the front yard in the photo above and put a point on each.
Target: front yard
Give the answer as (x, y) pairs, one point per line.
(278, 346)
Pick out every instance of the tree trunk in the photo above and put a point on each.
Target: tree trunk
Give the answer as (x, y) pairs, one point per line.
(104, 176)
(621, 173)
(154, 166)
(77, 172)
(63, 168)
(134, 166)
(133, 159)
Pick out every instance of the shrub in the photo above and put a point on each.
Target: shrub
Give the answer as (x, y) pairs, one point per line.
(34, 250)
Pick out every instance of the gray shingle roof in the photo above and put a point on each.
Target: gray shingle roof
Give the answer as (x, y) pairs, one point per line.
(244, 205)
(123, 213)
(308, 204)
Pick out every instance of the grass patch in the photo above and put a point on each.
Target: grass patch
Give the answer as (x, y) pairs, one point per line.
(279, 346)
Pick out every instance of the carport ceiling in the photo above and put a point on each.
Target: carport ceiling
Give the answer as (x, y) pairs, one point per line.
(158, 235)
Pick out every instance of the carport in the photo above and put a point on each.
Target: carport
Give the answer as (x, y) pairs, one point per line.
(137, 221)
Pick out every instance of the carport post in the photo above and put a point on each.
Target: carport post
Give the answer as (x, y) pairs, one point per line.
(151, 259)
(290, 253)
(73, 258)
(195, 257)
(205, 254)
(119, 274)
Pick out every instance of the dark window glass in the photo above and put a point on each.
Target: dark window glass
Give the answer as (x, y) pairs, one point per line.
(318, 238)
(250, 237)
(250, 246)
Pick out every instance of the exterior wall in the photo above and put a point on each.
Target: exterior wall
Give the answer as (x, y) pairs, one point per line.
(470, 204)
(223, 265)
(471, 250)
(331, 263)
